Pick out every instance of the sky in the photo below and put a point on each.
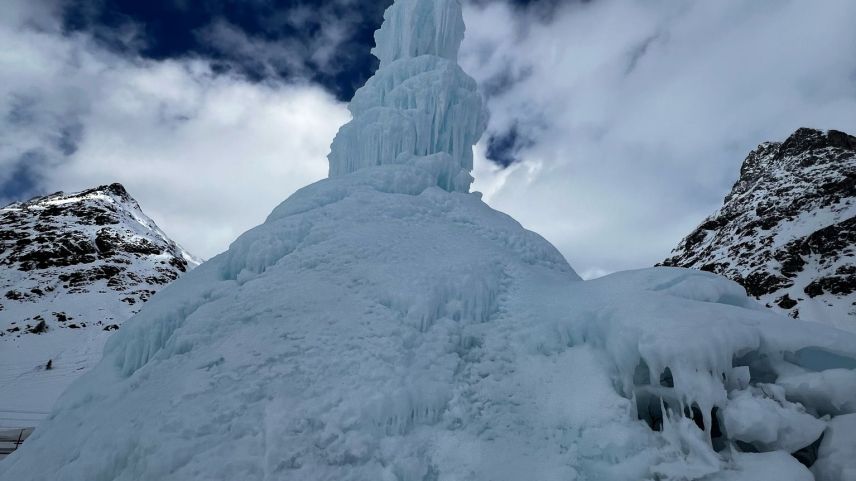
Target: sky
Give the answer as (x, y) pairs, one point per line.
(616, 125)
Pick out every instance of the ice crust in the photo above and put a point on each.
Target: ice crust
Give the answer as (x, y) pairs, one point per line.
(378, 326)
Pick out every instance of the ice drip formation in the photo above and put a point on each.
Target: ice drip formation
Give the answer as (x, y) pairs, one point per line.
(420, 108)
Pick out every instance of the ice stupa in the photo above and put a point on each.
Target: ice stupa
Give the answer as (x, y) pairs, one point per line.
(384, 324)
(419, 108)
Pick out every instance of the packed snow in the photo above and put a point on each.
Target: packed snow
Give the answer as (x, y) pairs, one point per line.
(380, 325)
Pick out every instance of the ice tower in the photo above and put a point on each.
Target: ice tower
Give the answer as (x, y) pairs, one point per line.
(420, 108)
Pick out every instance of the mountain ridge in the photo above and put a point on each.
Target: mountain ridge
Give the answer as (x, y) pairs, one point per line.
(73, 268)
(787, 229)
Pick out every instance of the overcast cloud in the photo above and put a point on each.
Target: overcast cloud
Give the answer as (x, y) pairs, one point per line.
(626, 120)
(207, 155)
(633, 117)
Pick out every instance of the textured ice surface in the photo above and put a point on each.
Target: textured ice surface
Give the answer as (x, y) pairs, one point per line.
(775, 466)
(763, 417)
(832, 391)
(420, 27)
(420, 108)
(837, 460)
(380, 327)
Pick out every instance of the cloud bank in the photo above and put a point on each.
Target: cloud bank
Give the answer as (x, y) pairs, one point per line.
(207, 154)
(630, 119)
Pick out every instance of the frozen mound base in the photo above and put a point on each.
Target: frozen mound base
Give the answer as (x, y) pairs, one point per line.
(377, 327)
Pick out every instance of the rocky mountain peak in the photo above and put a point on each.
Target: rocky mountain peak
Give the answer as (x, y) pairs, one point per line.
(787, 229)
(805, 139)
(96, 244)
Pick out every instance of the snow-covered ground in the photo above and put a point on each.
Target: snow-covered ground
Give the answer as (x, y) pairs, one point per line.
(28, 390)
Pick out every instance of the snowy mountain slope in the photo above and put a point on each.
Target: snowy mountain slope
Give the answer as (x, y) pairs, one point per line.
(383, 324)
(73, 268)
(787, 230)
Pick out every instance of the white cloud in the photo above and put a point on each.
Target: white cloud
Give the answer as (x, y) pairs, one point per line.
(642, 111)
(207, 155)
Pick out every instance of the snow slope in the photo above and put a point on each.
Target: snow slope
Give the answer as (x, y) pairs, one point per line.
(787, 230)
(73, 268)
(384, 325)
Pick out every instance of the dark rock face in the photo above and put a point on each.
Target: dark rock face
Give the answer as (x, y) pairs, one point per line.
(93, 256)
(787, 229)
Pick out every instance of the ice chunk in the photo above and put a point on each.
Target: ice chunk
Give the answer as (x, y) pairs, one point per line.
(689, 450)
(774, 466)
(830, 392)
(837, 456)
(761, 416)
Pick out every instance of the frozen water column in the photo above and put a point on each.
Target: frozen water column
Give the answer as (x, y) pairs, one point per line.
(419, 108)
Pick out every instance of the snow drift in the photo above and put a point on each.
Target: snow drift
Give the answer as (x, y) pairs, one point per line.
(384, 324)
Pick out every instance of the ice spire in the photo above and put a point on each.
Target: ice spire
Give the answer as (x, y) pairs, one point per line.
(419, 108)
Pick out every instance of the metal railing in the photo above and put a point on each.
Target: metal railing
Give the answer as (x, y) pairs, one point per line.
(16, 425)
(11, 439)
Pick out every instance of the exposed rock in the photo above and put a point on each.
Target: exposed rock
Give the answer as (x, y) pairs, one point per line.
(92, 255)
(787, 229)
